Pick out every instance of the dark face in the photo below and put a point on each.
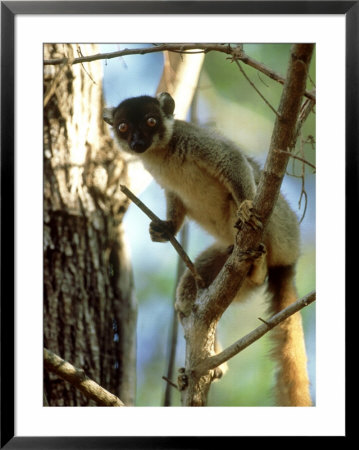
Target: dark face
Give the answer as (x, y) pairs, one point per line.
(136, 121)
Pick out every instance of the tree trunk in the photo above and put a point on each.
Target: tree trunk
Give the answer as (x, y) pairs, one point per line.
(89, 305)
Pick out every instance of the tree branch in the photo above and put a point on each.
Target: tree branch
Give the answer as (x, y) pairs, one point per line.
(177, 246)
(77, 377)
(244, 342)
(235, 52)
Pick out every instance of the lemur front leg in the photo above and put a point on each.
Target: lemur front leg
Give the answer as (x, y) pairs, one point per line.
(248, 216)
(161, 231)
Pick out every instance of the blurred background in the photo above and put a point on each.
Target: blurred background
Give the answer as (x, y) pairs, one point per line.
(225, 100)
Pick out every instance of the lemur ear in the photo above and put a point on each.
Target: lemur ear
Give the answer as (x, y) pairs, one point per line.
(107, 115)
(167, 103)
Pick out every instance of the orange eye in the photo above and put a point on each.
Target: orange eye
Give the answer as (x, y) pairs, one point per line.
(151, 121)
(123, 127)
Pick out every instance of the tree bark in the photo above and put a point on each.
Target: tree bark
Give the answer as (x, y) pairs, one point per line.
(89, 304)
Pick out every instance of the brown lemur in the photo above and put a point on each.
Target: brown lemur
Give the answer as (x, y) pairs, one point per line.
(207, 178)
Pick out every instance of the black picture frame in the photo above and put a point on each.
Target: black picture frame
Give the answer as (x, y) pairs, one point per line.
(8, 12)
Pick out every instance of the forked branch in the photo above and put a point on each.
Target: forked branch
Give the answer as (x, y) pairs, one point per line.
(244, 342)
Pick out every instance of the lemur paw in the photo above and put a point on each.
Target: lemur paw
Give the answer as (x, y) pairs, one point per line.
(261, 250)
(230, 249)
(217, 374)
(247, 216)
(183, 308)
(182, 380)
(161, 231)
(254, 254)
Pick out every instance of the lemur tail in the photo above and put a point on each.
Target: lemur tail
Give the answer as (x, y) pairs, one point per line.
(289, 349)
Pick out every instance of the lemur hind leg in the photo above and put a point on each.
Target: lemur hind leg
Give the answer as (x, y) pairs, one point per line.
(208, 264)
(259, 270)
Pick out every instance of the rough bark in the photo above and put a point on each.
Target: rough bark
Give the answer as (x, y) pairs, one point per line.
(89, 305)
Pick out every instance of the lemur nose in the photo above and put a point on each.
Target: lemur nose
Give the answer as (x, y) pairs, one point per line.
(138, 145)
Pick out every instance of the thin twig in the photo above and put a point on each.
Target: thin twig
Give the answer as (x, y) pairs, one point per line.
(303, 192)
(174, 321)
(256, 89)
(266, 85)
(244, 342)
(79, 52)
(264, 321)
(142, 51)
(54, 83)
(311, 80)
(77, 377)
(306, 109)
(172, 239)
(296, 157)
(171, 383)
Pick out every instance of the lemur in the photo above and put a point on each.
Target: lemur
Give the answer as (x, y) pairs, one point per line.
(207, 177)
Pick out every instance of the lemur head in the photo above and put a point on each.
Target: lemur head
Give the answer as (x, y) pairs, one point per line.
(141, 123)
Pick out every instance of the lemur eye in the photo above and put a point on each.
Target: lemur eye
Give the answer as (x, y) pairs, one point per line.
(123, 127)
(151, 121)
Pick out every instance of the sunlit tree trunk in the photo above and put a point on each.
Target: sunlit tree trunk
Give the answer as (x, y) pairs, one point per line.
(89, 305)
